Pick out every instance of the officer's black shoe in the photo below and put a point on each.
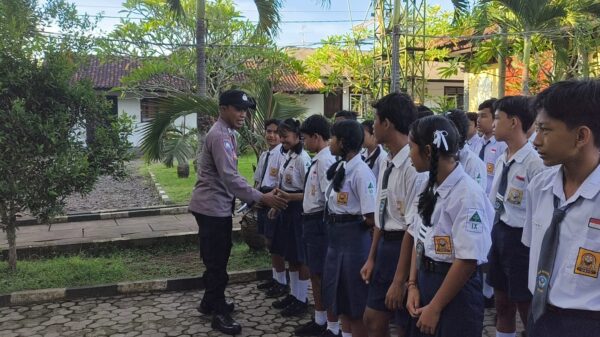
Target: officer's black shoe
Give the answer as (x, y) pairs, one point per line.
(310, 329)
(226, 324)
(329, 333)
(296, 308)
(277, 290)
(206, 309)
(283, 303)
(266, 285)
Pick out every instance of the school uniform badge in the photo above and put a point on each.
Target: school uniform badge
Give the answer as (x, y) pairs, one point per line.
(288, 179)
(342, 198)
(274, 171)
(474, 223)
(594, 223)
(514, 196)
(490, 168)
(588, 263)
(443, 245)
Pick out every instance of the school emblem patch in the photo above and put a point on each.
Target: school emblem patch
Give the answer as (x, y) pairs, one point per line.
(443, 245)
(474, 222)
(342, 198)
(288, 178)
(490, 168)
(400, 206)
(371, 189)
(274, 172)
(313, 189)
(514, 196)
(588, 263)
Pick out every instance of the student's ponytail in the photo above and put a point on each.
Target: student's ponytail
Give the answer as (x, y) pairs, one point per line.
(351, 136)
(337, 173)
(428, 198)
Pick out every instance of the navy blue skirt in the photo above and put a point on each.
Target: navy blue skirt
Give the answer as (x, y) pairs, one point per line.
(315, 243)
(463, 316)
(291, 224)
(265, 226)
(344, 291)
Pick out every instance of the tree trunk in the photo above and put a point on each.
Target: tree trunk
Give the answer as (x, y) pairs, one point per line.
(11, 236)
(526, 57)
(395, 87)
(502, 65)
(202, 122)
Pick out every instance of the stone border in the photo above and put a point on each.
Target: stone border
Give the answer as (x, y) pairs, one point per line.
(124, 288)
(163, 195)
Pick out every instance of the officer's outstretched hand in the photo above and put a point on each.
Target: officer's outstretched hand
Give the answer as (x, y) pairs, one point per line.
(273, 201)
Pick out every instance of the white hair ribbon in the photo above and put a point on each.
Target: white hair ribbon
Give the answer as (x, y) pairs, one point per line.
(342, 164)
(439, 137)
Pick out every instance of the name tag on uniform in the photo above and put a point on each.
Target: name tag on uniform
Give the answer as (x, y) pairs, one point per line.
(490, 168)
(588, 263)
(514, 196)
(274, 172)
(594, 223)
(443, 245)
(342, 198)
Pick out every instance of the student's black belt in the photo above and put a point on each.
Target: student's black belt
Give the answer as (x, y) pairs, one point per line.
(294, 191)
(392, 235)
(427, 264)
(265, 189)
(587, 314)
(338, 218)
(312, 216)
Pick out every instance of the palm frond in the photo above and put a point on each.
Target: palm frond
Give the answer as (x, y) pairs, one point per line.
(178, 146)
(268, 16)
(176, 7)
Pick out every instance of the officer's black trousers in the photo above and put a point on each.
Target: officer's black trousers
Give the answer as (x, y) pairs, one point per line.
(214, 234)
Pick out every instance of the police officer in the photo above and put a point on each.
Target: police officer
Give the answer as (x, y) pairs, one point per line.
(212, 204)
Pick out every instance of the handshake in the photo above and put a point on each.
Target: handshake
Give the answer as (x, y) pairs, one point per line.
(276, 199)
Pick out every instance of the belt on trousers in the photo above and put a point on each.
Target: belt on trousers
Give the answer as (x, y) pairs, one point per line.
(392, 235)
(337, 218)
(294, 191)
(587, 314)
(427, 264)
(265, 189)
(312, 216)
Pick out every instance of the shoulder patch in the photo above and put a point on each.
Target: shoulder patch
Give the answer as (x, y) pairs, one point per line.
(474, 223)
(371, 188)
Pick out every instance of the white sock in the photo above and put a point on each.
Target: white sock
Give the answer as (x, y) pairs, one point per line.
(280, 277)
(333, 327)
(320, 317)
(294, 284)
(346, 334)
(303, 290)
(506, 334)
(488, 291)
(274, 274)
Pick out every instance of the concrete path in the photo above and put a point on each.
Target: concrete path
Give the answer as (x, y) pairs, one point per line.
(92, 231)
(157, 314)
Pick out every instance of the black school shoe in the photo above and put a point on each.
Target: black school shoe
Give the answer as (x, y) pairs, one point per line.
(310, 329)
(329, 333)
(283, 303)
(226, 324)
(296, 308)
(277, 290)
(206, 309)
(266, 285)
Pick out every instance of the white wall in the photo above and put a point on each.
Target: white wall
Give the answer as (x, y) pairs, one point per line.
(314, 104)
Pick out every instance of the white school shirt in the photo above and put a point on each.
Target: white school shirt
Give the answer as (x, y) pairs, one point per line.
(381, 158)
(292, 175)
(358, 192)
(575, 282)
(526, 166)
(492, 152)
(404, 187)
(316, 182)
(474, 166)
(474, 143)
(462, 221)
(271, 178)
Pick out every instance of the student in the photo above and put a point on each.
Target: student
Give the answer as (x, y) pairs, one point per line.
(473, 138)
(266, 179)
(562, 223)
(287, 240)
(316, 132)
(374, 154)
(423, 111)
(508, 257)
(396, 192)
(471, 163)
(350, 208)
(489, 149)
(344, 115)
(453, 238)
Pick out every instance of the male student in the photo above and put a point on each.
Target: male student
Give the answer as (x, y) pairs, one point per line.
(473, 138)
(562, 226)
(508, 258)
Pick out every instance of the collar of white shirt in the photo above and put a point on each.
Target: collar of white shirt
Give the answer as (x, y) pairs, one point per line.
(520, 155)
(400, 157)
(353, 162)
(275, 149)
(588, 190)
(492, 140)
(452, 179)
(369, 155)
(324, 152)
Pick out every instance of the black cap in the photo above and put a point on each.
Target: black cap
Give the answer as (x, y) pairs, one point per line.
(238, 99)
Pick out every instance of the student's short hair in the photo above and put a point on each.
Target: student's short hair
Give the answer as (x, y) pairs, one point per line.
(399, 109)
(575, 103)
(368, 125)
(346, 114)
(488, 104)
(272, 121)
(472, 116)
(423, 111)
(461, 122)
(316, 124)
(516, 106)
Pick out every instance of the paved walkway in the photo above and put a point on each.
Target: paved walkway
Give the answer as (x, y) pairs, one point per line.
(90, 231)
(151, 315)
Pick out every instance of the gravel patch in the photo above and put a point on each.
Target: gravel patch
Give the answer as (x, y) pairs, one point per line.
(108, 193)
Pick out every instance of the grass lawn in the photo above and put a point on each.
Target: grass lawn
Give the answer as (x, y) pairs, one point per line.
(126, 265)
(180, 190)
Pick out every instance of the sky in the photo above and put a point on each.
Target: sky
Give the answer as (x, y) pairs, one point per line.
(295, 30)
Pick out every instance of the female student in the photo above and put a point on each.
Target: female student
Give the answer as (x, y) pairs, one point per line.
(287, 239)
(452, 240)
(350, 208)
(374, 155)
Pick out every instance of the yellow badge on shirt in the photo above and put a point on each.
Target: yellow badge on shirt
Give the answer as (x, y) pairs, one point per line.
(490, 168)
(588, 263)
(313, 190)
(443, 244)
(274, 172)
(514, 196)
(400, 206)
(288, 179)
(342, 198)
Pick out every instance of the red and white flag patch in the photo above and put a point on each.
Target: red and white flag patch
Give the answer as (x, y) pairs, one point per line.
(594, 223)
